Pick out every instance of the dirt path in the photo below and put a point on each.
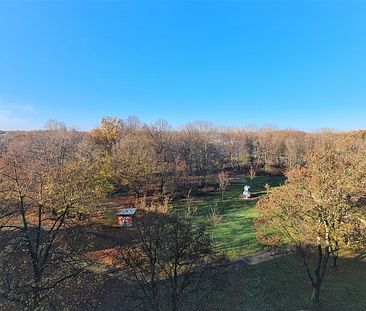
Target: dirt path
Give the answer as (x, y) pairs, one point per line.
(256, 258)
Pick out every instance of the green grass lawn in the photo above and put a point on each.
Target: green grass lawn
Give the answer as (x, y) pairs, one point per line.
(233, 234)
(282, 285)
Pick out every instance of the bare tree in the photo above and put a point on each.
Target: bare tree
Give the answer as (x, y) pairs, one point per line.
(40, 185)
(190, 209)
(166, 259)
(223, 182)
(252, 172)
(214, 216)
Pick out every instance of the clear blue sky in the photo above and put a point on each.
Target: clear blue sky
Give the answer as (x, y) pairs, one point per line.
(293, 64)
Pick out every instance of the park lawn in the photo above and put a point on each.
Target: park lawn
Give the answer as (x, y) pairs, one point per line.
(234, 234)
(282, 284)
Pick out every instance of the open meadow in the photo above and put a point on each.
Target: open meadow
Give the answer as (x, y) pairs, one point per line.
(277, 283)
(233, 233)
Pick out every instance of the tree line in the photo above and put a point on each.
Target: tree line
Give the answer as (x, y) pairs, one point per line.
(138, 157)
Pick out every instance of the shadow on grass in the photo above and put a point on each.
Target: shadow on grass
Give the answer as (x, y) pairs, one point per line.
(281, 284)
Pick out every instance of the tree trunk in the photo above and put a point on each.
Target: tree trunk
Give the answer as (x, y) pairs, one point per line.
(36, 303)
(222, 195)
(335, 254)
(155, 296)
(315, 297)
(174, 302)
(155, 304)
(162, 182)
(174, 292)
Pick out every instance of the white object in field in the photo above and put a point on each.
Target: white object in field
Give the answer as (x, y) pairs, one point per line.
(246, 193)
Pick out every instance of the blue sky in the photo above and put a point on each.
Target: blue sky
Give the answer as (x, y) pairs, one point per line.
(293, 64)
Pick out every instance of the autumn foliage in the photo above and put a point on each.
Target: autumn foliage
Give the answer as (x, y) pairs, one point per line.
(321, 205)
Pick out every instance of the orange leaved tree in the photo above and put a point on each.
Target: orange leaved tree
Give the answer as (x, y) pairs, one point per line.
(319, 209)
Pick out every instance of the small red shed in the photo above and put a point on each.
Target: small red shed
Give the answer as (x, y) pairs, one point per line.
(125, 217)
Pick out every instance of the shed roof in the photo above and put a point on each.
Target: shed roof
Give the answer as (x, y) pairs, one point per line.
(126, 211)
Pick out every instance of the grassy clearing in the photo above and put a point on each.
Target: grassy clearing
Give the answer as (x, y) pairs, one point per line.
(282, 284)
(233, 234)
